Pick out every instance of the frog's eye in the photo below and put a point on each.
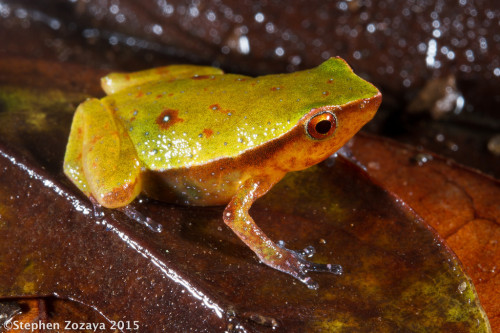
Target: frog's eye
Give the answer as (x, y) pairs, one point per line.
(321, 125)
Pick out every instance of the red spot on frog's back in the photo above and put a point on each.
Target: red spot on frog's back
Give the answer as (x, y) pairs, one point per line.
(167, 118)
(139, 94)
(207, 132)
(276, 88)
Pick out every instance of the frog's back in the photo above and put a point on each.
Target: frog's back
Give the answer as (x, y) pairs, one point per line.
(197, 120)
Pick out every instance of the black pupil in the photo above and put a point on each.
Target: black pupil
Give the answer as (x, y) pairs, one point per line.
(323, 127)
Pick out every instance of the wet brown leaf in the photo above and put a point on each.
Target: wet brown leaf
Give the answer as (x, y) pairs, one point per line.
(461, 204)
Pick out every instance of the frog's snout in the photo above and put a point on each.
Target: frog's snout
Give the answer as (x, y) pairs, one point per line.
(355, 115)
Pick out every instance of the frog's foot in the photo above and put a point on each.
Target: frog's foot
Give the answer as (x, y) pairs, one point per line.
(296, 264)
(135, 215)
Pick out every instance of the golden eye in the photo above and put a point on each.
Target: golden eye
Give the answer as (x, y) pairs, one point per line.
(322, 125)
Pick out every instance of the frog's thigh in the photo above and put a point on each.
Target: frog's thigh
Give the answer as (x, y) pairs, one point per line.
(73, 167)
(115, 82)
(109, 159)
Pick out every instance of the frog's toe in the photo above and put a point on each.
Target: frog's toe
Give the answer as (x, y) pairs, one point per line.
(308, 251)
(309, 266)
(328, 268)
(304, 266)
(135, 215)
(310, 283)
(298, 266)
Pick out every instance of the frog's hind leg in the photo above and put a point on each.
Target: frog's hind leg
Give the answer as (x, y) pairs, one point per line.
(274, 255)
(116, 82)
(109, 160)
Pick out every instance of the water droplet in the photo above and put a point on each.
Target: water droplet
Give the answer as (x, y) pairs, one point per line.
(421, 158)
(244, 45)
(494, 145)
(296, 60)
(157, 29)
(452, 146)
(259, 17)
(211, 16)
(279, 51)
(270, 28)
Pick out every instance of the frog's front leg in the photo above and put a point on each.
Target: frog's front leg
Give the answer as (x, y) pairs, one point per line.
(236, 216)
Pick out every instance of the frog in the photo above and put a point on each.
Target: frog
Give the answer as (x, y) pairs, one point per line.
(194, 135)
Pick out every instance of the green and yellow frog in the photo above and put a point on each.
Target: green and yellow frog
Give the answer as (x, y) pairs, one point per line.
(194, 135)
